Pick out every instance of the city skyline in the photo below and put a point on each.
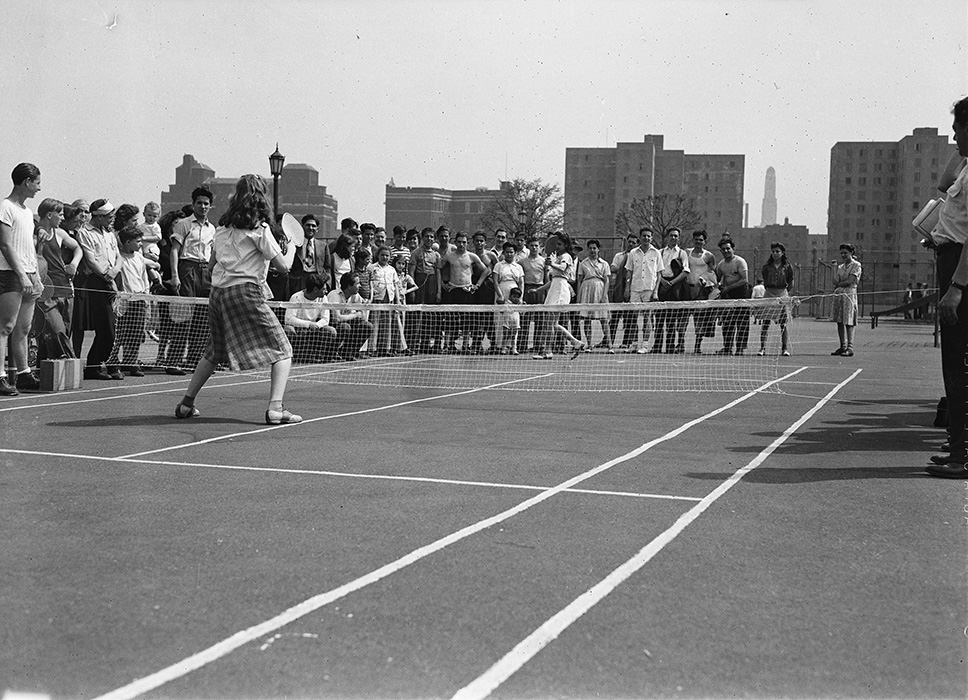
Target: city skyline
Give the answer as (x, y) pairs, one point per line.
(109, 96)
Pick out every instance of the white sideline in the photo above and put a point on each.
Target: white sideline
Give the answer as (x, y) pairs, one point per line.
(226, 646)
(348, 475)
(489, 681)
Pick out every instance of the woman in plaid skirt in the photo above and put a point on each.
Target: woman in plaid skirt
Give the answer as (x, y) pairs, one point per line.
(245, 333)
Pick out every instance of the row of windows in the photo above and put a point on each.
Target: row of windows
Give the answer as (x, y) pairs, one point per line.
(861, 208)
(876, 223)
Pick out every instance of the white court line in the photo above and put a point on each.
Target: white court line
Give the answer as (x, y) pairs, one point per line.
(487, 682)
(227, 646)
(335, 415)
(263, 376)
(349, 475)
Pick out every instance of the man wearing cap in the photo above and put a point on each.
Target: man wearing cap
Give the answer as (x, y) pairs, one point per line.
(191, 249)
(96, 285)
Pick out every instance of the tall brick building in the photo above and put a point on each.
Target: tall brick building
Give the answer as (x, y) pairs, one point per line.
(418, 207)
(299, 192)
(599, 182)
(876, 189)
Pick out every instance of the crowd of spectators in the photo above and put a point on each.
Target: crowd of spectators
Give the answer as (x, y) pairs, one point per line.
(88, 252)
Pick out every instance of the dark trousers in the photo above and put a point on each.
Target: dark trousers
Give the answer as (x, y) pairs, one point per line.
(954, 362)
(352, 334)
(130, 334)
(630, 330)
(196, 281)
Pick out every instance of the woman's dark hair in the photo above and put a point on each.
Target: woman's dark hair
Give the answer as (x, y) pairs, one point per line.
(249, 206)
(343, 246)
(848, 247)
(123, 213)
(593, 241)
(701, 232)
(776, 245)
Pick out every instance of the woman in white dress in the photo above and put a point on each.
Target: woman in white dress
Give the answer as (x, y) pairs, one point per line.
(561, 271)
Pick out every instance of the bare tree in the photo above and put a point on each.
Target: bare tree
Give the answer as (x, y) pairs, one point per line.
(659, 212)
(530, 206)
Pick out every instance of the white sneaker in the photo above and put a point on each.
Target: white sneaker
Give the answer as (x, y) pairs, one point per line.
(785, 353)
(642, 351)
(761, 353)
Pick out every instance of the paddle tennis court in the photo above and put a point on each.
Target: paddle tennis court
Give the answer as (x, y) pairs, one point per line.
(482, 542)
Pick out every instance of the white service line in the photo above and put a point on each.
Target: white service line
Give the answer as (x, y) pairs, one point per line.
(489, 681)
(335, 415)
(348, 475)
(227, 646)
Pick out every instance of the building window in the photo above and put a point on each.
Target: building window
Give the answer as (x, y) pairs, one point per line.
(917, 147)
(860, 234)
(860, 208)
(846, 180)
(862, 168)
(849, 167)
(915, 205)
(917, 162)
(917, 177)
(862, 181)
(861, 153)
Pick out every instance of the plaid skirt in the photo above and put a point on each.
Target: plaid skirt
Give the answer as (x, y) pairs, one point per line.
(245, 333)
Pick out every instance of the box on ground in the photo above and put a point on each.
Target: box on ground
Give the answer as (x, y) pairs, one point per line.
(59, 375)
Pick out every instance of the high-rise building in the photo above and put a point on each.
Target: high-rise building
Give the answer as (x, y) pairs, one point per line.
(419, 207)
(600, 182)
(876, 189)
(769, 198)
(299, 192)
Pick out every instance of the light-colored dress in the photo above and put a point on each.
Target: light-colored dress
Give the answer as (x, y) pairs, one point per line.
(560, 291)
(845, 298)
(593, 289)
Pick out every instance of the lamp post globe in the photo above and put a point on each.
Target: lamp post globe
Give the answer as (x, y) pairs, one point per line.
(276, 161)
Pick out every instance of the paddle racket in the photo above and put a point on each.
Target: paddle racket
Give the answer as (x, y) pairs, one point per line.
(293, 231)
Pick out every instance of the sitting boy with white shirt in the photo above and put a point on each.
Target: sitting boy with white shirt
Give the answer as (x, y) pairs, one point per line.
(307, 326)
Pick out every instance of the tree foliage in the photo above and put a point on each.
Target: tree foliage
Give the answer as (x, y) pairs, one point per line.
(541, 205)
(659, 212)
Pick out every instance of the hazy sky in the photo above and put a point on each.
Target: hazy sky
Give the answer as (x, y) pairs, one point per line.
(106, 97)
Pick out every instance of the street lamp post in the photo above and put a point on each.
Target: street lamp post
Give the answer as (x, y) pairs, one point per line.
(522, 221)
(276, 161)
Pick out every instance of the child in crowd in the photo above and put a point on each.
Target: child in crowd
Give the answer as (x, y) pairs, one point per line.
(151, 249)
(135, 278)
(511, 322)
(383, 290)
(405, 287)
(151, 232)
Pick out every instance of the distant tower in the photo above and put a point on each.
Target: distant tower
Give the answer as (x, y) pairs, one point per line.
(769, 198)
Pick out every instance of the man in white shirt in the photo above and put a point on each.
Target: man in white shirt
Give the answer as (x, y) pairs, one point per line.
(351, 330)
(313, 339)
(191, 249)
(20, 285)
(671, 323)
(643, 269)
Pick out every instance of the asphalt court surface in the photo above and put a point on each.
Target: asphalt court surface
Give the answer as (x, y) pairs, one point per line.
(834, 554)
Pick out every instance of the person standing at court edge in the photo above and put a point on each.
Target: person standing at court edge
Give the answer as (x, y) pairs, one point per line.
(846, 278)
(245, 333)
(191, 248)
(20, 285)
(950, 237)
